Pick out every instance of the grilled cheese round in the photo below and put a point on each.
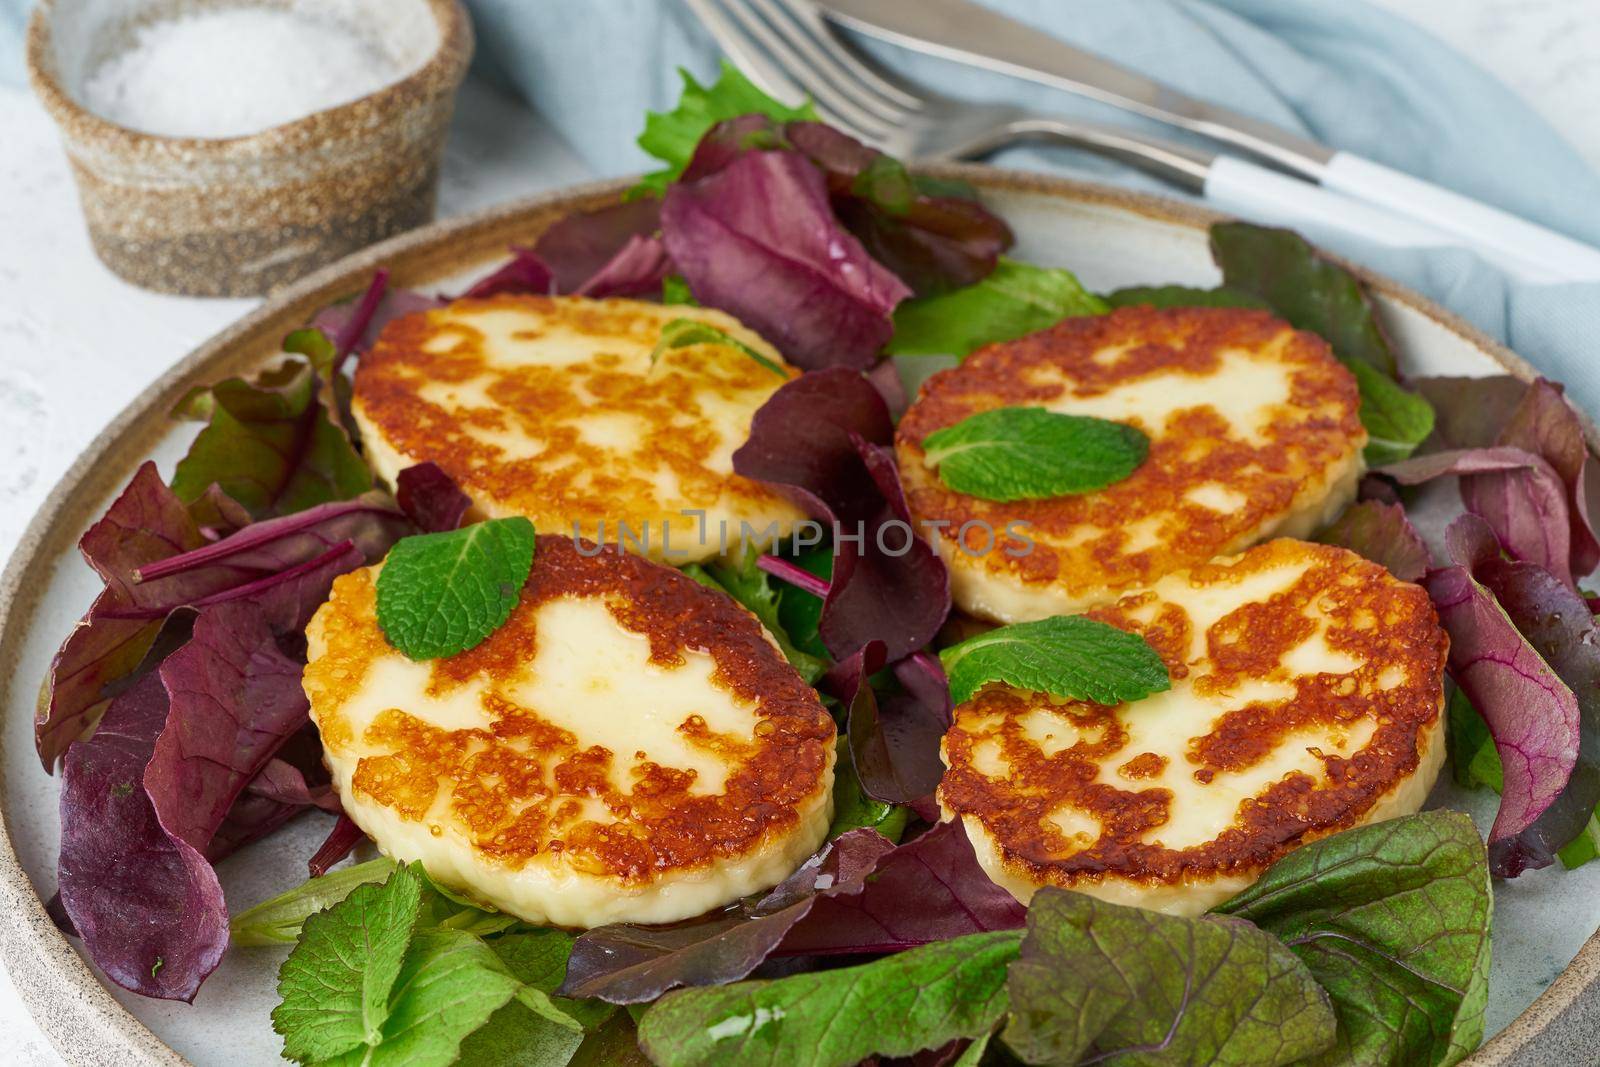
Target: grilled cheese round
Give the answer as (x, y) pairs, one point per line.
(553, 408)
(629, 747)
(1254, 432)
(1306, 698)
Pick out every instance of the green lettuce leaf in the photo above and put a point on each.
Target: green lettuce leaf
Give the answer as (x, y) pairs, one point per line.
(671, 136)
(1393, 920)
(269, 444)
(919, 999)
(853, 809)
(1015, 300)
(752, 587)
(279, 921)
(1315, 294)
(1111, 982)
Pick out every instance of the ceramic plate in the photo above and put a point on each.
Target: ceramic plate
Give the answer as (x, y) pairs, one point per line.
(1544, 1002)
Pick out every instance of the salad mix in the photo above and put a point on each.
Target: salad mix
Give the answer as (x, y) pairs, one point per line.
(175, 715)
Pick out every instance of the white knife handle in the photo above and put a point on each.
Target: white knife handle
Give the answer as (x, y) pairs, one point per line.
(1499, 235)
(1264, 195)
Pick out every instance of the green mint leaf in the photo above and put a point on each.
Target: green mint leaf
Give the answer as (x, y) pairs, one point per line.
(1393, 920)
(674, 290)
(269, 444)
(1067, 656)
(336, 985)
(671, 136)
(853, 809)
(443, 593)
(1315, 294)
(278, 921)
(1007, 454)
(450, 985)
(1016, 299)
(686, 333)
(914, 1000)
(1139, 987)
(1181, 296)
(751, 587)
(1397, 420)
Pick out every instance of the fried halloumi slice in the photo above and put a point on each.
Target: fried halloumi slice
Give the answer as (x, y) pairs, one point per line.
(629, 747)
(551, 407)
(1306, 698)
(1254, 432)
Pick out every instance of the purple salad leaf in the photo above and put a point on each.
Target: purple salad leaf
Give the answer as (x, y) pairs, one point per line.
(888, 583)
(430, 497)
(145, 524)
(819, 440)
(147, 905)
(929, 889)
(627, 963)
(524, 272)
(1531, 713)
(203, 727)
(1559, 627)
(1468, 412)
(759, 240)
(800, 442)
(235, 699)
(1547, 425)
(266, 549)
(894, 747)
(638, 269)
(273, 444)
(353, 325)
(1516, 492)
(1382, 533)
(584, 248)
(341, 841)
(932, 242)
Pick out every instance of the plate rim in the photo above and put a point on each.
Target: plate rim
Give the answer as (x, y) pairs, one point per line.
(75, 1010)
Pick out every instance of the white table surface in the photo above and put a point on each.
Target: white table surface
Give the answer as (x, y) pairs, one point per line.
(76, 343)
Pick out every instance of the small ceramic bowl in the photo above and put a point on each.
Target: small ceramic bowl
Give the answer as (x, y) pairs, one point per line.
(241, 216)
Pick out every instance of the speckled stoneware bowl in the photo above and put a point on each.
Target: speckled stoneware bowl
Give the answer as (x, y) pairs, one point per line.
(240, 216)
(1544, 983)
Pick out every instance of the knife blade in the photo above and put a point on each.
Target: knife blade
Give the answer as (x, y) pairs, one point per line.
(976, 35)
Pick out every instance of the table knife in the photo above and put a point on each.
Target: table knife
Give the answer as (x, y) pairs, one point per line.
(970, 33)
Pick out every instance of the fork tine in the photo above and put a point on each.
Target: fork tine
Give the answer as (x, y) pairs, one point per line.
(745, 55)
(848, 59)
(826, 98)
(853, 80)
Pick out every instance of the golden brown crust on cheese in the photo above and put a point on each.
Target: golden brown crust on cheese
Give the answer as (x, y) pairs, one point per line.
(519, 788)
(1387, 626)
(574, 477)
(1104, 540)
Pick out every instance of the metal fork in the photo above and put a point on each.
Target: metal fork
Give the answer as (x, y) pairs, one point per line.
(787, 49)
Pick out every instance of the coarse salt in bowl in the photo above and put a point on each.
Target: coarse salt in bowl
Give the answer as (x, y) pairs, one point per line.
(227, 148)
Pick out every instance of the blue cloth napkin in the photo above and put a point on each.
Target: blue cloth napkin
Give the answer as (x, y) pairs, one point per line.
(1341, 71)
